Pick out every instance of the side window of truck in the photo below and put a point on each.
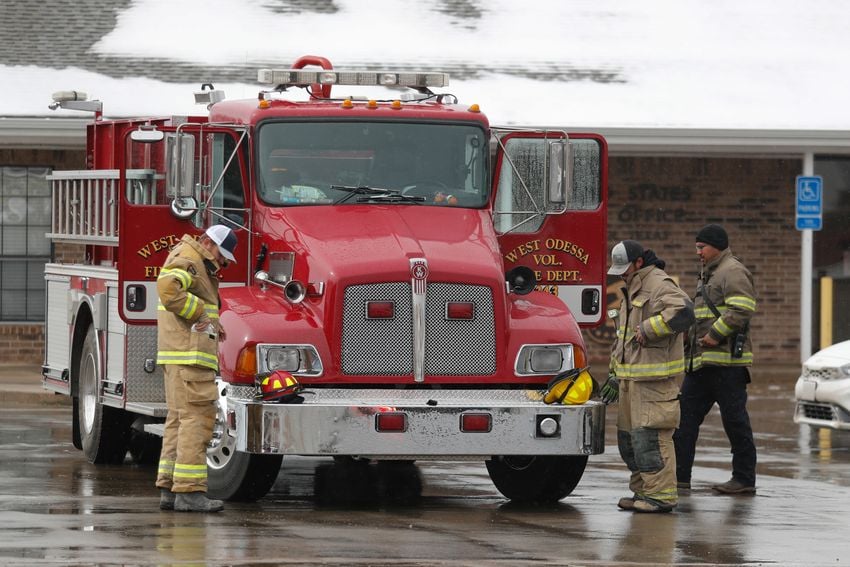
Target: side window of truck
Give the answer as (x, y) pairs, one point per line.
(145, 173)
(520, 204)
(228, 198)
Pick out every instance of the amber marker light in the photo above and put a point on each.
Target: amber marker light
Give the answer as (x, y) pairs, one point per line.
(579, 357)
(264, 104)
(474, 108)
(396, 105)
(372, 104)
(347, 103)
(246, 364)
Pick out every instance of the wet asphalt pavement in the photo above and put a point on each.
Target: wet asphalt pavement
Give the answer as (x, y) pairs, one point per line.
(57, 509)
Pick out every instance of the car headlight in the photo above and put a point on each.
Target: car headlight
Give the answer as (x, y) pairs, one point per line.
(845, 371)
(298, 359)
(544, 359)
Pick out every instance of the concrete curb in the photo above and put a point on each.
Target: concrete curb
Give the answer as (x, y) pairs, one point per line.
(34, 398)
(21, 384)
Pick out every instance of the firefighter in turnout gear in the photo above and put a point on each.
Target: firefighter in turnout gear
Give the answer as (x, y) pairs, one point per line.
(646, 358)
(718, 360)
(187, 334)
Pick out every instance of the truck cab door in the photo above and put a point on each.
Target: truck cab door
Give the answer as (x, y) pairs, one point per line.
(166, 193)
(558, 232)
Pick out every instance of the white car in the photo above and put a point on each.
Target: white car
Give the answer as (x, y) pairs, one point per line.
(823, 388)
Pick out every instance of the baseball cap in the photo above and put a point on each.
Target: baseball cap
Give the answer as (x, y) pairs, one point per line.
(623, 254)
(224, 238)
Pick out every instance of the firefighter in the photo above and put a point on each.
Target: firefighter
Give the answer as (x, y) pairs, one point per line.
(719, 357)
(646, 359)
(188, 332)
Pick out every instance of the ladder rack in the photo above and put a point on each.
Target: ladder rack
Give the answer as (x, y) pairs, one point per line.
(85, 203)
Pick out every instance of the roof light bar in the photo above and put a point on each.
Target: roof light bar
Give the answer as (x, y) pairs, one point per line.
(300, 77)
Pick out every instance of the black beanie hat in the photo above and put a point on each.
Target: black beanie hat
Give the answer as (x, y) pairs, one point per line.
(714, 235)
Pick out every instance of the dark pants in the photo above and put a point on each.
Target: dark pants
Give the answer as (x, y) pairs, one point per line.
(727, 387)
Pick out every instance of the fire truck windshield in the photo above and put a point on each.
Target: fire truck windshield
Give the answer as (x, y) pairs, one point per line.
(320, 163)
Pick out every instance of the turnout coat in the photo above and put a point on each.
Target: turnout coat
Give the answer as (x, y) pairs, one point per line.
(653, 302)
(188, 291)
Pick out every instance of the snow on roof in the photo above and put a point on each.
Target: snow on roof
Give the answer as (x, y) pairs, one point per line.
(759, 64)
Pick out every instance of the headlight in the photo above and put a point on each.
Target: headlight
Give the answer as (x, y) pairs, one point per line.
(298, 359)
(845, 370)
(544, 359)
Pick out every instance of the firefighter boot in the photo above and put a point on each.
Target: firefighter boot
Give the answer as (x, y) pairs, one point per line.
(196, 502)
(166, 499)
(649, 505)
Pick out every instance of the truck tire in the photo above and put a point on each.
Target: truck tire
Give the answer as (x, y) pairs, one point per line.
(242, 476)
(104, 431)
(536, 479)
(231, 474)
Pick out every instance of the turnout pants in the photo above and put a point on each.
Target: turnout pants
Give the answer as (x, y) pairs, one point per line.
(647, 415)
(190, 394)
(727, 387)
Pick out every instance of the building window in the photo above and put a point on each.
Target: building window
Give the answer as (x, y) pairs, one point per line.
(24, 249)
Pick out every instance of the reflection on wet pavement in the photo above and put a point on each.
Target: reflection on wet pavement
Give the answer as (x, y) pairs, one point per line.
(57, 509)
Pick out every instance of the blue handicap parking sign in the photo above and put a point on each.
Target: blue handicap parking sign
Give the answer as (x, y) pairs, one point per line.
(809, 202)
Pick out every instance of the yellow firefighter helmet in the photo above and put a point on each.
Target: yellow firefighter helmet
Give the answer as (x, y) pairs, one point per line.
(574, 386)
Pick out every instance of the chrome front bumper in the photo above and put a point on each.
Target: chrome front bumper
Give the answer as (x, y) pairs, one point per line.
(343, 422)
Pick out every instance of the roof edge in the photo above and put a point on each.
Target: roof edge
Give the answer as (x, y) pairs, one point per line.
(70, 133)
(43, 133)
(725, 141)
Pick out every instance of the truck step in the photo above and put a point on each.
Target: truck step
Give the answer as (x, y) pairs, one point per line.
(157, 429)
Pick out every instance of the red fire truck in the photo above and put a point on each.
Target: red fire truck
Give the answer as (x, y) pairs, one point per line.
(423, 274)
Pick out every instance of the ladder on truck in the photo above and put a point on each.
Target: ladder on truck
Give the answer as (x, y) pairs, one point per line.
(85, 203)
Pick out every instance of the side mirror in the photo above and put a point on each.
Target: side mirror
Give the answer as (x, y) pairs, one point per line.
(180, 156)
(560, 174)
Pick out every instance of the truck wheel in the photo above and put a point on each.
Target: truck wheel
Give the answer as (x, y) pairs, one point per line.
(233, 475)
(104, 431)
(241, 476)
(536, 479)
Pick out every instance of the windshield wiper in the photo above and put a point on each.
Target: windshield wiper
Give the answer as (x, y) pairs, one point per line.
(393, 197)
(358, 190)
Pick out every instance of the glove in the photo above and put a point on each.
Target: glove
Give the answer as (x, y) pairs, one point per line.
(204, 325)
(610, 390)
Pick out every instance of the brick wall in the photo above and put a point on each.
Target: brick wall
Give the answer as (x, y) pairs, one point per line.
(57, 159)
(67, 253)
(24, 342)
(663, 202)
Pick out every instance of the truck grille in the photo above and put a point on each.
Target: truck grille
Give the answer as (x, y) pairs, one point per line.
(385, 346)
